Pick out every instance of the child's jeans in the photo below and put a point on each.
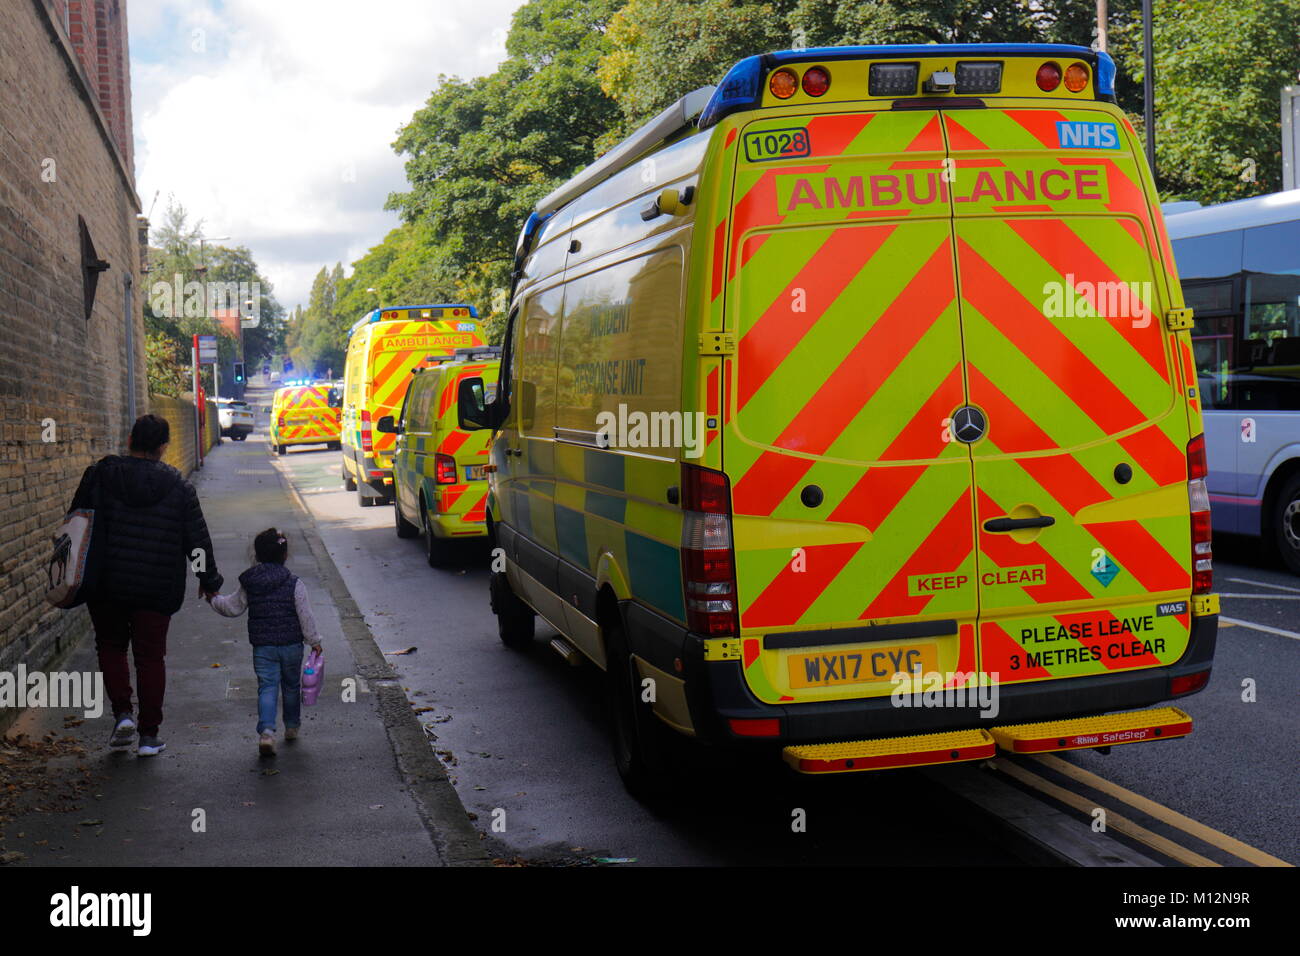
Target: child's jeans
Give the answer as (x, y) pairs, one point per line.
(278, 668)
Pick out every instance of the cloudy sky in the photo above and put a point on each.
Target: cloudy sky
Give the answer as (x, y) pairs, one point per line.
(272, 120)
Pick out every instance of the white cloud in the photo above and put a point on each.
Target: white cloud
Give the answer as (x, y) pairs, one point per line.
(272, 120)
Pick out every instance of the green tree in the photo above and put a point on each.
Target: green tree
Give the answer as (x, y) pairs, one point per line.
(1219, 71)
(175, 253)
(480, 153)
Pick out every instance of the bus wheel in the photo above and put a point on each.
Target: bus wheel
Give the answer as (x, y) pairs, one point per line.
(642, 749)
(404, 528)
(1286, 524)
(515, 619)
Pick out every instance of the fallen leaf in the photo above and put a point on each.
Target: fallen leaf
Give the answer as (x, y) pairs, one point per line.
(269, 773)
(92, 823)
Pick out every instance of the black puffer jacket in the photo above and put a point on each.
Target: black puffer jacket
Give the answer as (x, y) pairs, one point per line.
(152, 526)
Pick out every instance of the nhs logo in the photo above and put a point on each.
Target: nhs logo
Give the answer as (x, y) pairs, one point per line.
(1087, 135)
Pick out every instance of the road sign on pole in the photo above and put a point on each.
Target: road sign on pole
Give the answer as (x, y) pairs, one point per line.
(198, 426)
(207, 346)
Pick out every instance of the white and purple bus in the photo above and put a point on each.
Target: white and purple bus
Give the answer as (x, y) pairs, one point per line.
(1239, 264)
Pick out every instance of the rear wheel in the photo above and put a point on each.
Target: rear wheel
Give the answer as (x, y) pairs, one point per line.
(335, 446)
(515, 619)
(348, 483)
(404, 528)
(1286, 524)
(642, 745)
(438, 551)
(280, 450)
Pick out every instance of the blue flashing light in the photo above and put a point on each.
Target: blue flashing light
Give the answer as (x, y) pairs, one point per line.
(742, 87)
(1105, 74)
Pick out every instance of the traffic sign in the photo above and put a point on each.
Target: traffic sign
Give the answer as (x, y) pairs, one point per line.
(207, 346)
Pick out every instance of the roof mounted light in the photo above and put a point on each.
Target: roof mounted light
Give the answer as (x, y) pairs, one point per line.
(783, 84)
(893, 79)
(816, 81)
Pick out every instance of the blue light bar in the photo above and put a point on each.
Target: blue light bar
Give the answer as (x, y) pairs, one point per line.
(376, 315)
(742, 87)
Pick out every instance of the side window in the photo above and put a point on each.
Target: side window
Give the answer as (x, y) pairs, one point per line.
(622, 342)
(537, 340)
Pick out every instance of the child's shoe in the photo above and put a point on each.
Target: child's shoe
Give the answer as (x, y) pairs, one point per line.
(266, 744)
(291, 733)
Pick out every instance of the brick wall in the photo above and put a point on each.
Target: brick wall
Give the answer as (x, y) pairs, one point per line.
(62, 376)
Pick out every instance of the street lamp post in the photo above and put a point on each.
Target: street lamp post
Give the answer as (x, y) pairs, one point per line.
(1149, 86)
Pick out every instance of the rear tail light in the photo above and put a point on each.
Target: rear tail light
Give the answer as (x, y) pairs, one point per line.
(367, 441)
(1049, 77)
(280, 422)
(444, 467)
(708, 564)
(1188, 683)
(1198, 497)
(1076, 77)
(783, 84)
(755, 726)
(816, 81)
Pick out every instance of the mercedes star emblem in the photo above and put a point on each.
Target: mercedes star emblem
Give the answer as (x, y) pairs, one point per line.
(968, 424)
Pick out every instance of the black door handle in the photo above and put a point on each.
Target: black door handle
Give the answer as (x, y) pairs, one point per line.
(1015, 524)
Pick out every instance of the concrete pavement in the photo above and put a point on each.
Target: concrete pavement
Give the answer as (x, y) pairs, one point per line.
(360, 787)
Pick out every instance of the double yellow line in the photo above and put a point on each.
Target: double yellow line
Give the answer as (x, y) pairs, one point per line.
(1129, 828)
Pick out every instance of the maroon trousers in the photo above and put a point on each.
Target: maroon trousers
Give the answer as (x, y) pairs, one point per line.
(116, 628)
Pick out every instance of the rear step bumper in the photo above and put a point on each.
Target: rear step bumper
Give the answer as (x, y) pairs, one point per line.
(892, 753)
(1106, 730)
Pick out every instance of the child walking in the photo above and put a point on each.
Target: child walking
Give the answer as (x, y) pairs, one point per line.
(280, 622)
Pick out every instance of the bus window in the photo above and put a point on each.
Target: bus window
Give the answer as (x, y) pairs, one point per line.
(1271, 346)
(1212, 338)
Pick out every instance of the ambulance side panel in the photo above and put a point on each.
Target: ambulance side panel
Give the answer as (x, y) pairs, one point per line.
(602, 351)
